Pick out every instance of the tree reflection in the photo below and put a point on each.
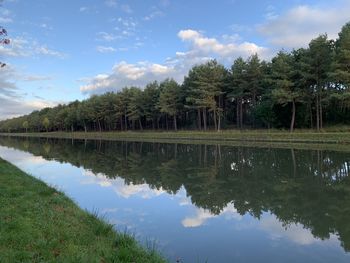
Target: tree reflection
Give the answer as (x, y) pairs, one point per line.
(298, 186)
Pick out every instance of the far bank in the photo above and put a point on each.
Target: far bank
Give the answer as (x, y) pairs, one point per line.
(332, 140)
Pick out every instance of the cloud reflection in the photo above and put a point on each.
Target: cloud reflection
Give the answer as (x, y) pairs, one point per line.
(120, 187)
(202, 215)
(293, 232)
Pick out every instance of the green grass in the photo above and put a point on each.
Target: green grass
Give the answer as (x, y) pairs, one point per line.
(334, 138)
(40, 224)
(341, 135)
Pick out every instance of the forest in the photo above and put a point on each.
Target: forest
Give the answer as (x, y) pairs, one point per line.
(303, 88)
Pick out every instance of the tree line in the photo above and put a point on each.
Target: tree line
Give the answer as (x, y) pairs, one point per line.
(304, 88)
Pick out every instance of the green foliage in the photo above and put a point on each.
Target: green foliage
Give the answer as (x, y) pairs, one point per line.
(25, 125)
(170, 97)
(341, 63)
(46, 123)
(151, 99)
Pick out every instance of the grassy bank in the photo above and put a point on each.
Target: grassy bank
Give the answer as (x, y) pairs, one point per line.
(332, 139)
(40, 224)
(302, 136)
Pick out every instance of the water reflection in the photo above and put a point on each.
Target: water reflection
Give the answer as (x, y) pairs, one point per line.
(300, 195)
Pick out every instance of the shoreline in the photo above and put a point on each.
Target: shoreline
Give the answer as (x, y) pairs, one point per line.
(335, 141)
(39, 223)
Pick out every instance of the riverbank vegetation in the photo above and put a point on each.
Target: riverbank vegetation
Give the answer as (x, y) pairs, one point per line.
(335, 136)
(40, 224)
(304, 88)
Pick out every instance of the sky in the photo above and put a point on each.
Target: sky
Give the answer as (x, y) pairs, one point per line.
(68, 50)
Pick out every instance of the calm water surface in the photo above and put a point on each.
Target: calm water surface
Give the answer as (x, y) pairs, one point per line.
(201, 203)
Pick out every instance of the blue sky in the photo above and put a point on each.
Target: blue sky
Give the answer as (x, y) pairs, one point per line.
(69, 49)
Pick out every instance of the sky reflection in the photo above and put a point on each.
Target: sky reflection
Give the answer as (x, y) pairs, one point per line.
(180, 228)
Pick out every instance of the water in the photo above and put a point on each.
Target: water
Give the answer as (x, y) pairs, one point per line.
(204, 203)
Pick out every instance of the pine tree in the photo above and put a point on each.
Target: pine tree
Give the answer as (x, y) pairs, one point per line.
(135, 108)
(285, 89)
(151, 95)
(170, 99)
(211, 81)
(238, 87)
(319, 66)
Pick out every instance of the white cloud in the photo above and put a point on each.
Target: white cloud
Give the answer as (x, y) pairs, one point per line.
(111, 3)
(20, 47)
(5, 20)
(35, 78)
(159, 69)
(107, 36)
(17, 48)
(154, 14)
(188, 34)
(125, 74)
(5, 16)
(83, 9)
(127, 26)
(46, 26)
(240, 28)
(299, 25)
(165, 3)
(103, 49)
(11, 107)
(12, 102)
(44, 50)
(213, 46)
(132, 72)
(127, 9)
(201, 49)
(7, 85)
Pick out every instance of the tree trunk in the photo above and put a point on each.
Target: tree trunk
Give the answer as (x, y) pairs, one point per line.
(121, 123)
(205, 118)
(311, 118)
(215, 120)
(317, 113)
(140, 123)
(221, 111)
(166, 122)
(241, 114)
(99, 125)
(321, 115)
(254, 107)
(293, 117)
(199, 119)
(175, 124)
(237, 114)
(125, 122)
